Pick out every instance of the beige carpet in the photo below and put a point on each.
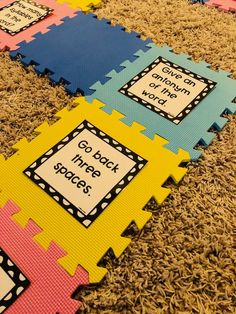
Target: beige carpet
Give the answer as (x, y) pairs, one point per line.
(184, 261)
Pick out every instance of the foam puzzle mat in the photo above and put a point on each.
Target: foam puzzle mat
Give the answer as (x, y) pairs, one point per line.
(68, 196)
(199, 1)
(224, 5)
(171, 96)
(79, 64)
(92, 171)
(21, 20)
(31, 280)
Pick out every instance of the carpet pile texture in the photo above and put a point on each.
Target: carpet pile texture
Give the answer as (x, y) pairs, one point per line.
(184, 261)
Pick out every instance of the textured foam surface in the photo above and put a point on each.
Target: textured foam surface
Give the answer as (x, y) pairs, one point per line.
(86, 246)
(85, 5)
(188, 246)
(225, 5)
(193, 129)
(50, 287)
(59, 11)
(80, 63)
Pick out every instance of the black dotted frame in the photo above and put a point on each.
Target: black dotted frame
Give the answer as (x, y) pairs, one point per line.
(85, 220)
(21, 282)
(210, 86)
(48, 12)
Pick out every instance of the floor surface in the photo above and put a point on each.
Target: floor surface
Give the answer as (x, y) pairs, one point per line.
(184, 260)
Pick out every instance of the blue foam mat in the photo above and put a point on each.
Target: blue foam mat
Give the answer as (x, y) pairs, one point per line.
(80, 51)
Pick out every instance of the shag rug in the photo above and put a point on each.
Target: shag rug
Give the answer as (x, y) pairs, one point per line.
(184, 261)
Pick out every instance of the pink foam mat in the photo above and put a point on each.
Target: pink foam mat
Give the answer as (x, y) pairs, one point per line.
(60, 11)
(225, 5)
(50, 287)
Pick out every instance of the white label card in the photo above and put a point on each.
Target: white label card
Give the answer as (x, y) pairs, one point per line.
(12, 282)
(6, 283)
(85, 171)
(168, 89)
(20, 15)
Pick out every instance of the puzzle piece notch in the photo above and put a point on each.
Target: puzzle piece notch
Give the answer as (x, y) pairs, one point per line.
(53, 51)
(194, 128)
(90, 248)
(50, 287)
(8, 42)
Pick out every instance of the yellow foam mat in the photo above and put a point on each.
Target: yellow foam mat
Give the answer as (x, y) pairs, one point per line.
(84, 5)
(87, 240)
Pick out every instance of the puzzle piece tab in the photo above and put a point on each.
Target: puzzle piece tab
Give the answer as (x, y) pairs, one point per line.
(171, 96)
(31, 280)
(80, 51)
(14, 28)
(84, 179)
